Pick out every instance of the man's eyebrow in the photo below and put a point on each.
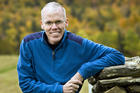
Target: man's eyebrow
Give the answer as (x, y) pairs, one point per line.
(46, 21)
(52, 21)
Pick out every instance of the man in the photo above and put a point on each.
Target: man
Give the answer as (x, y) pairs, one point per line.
(56, 60)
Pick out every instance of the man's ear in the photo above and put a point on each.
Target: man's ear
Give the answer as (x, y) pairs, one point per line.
(67, 22)
(42, 25)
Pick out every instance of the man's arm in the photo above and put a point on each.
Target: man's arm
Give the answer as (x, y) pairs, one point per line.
(26, 75)
(100, 56)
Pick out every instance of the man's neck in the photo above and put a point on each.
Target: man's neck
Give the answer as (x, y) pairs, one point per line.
(53, 46)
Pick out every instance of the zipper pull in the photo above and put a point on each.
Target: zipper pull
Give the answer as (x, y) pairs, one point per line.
(53, 54)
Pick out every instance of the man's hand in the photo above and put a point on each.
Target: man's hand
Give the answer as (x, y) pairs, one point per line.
(73, 84)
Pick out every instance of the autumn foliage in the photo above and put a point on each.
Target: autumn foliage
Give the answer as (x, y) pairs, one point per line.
(115, 23)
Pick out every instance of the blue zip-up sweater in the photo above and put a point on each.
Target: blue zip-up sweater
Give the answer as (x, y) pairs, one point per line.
(43, 70)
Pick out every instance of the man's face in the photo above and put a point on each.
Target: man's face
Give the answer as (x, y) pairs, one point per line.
(54, 24)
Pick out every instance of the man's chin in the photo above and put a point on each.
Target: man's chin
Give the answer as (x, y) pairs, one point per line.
(55, 40)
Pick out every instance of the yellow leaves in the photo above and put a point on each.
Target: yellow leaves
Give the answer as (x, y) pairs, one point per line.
(97, 20)
(134, 18)
(11, 33)
(123, 22)
(23, 32)
(11, 37)
(74, 24)
(28, 24)
(116, 11)
(132, 43)
(82, 33)
(109, 38)
(104, 11)
(129, 22)
(90, 13)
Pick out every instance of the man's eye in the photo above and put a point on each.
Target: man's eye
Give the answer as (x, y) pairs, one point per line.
(58, 22)
(48, 23)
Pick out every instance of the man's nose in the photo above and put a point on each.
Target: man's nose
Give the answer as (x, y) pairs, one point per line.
(54, 26)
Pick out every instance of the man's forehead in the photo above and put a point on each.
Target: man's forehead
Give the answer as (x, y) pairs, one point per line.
(51, 12)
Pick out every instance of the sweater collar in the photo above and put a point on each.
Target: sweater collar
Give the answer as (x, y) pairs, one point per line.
(44, 40)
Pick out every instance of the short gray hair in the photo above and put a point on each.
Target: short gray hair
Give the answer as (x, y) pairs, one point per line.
(54, 5)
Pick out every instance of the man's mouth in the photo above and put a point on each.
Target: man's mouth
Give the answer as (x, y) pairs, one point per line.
(55, 32)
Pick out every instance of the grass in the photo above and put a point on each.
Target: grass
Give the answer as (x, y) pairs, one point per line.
(9, 78)
(8, 75)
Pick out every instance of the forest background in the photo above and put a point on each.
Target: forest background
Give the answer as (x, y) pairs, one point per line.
(115, 23)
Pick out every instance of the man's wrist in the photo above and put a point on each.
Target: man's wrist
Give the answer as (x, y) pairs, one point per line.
(78, 76)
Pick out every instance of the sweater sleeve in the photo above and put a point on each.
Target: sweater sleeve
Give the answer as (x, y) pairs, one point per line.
(26, 74)
(99, 56)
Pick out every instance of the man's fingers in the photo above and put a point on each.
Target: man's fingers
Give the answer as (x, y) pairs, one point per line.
(74, 87)
(78, 82)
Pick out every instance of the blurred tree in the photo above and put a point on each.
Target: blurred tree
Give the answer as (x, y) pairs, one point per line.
(132, 43)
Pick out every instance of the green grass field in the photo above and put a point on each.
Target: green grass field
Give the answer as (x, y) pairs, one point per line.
(9, 78)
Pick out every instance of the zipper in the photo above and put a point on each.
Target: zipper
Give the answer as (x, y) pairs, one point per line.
(53, 54)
